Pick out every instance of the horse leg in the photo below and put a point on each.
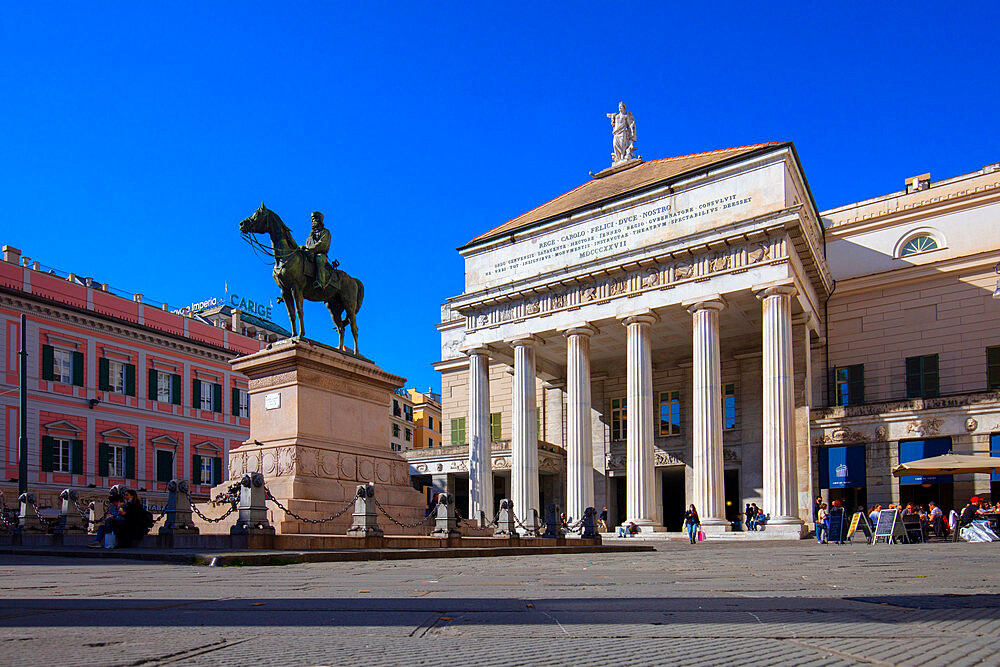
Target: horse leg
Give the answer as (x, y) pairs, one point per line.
(337, 322)
(298, 306)
(354, 329)
(286, 295)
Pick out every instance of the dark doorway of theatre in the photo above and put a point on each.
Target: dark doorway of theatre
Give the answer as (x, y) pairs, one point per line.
(942, 494)
(618, 489)
(673, 498)
(460, 492)
(852, 498)
(731, 482)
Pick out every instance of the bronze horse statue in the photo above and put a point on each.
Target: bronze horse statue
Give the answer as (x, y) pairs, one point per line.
(295, 275)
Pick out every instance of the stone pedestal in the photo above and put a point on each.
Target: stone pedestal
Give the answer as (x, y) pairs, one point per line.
(319, 426)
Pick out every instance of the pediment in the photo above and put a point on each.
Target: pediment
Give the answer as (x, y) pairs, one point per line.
(165, 441)
(207, 444)
(62, 425)
(119, 433)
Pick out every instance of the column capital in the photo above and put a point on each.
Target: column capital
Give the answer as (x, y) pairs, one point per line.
(645, 316)
(526, 340)
(764, 291)
(709, 302)
(477, 349)
(580, 329)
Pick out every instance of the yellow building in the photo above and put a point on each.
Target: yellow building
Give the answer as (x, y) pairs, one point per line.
(426, 418)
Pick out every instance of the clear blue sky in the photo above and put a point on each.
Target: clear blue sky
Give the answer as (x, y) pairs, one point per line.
(135, 136)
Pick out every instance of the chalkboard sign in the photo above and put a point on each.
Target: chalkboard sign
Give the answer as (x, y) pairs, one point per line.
(859, 520)
(836, 532)
(914, 529)
(889, 526)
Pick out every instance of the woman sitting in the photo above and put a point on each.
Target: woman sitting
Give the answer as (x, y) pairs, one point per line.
(135, 522)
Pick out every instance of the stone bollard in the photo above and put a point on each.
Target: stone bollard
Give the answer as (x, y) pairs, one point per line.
(533, 525)
(506, 526)
(446, 520)
(252, 508)
(70, 519)
(178, 519)
(365, 522)
(28, 520)
(589, 525)
(552, 527)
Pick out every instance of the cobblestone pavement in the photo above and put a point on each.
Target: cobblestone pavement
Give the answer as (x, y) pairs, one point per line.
(775, 603)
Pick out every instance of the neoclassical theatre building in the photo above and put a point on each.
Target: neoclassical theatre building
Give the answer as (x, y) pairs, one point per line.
(694, 330)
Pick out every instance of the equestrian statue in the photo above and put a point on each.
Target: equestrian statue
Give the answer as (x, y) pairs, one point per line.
(303, 272)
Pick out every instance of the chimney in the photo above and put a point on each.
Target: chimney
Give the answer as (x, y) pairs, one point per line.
(11, 254)
(237, 326)
(918, 183)
(27, 261)
(137, 297)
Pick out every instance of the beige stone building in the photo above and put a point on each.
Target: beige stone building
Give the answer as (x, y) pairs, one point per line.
(694, 330)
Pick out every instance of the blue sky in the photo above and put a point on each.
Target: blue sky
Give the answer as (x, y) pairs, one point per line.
(135, 136)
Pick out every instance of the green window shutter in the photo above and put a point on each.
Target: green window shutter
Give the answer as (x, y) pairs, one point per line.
(931, 377)
(130, 379)
(217, 398)
(48, 362)
(77, 462)
(78, 369)
(216, 470)
(196, 469)
(153, 386)
(164, 465)
(175, 389)
(235, 401)
(103, 373)
(993, 368)
(46, 454)
(856, 385)
(495, 426)
(913, 384)
(130, 462)
(195, 393)
(103, 455)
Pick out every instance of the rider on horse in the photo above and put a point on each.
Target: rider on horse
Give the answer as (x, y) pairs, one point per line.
(316, 247)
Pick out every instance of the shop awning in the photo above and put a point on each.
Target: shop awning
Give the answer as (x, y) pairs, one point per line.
(947, 464)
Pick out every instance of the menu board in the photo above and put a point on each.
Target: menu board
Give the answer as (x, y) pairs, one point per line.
(889, 526)
(859, 520)
(836, 518)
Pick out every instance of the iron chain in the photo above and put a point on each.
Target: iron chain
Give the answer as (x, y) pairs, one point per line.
(292, 514)
(194, 508)
(426, 519)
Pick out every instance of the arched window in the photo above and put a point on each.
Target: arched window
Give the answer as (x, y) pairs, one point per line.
(918, 244)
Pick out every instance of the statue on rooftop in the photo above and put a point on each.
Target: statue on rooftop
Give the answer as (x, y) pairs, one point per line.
(623, 140)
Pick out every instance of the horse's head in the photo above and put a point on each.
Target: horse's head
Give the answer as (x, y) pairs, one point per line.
(258, 223)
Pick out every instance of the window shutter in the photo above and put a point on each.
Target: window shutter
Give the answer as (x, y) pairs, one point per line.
(217, 398)
(153, 386)
(48, 361)
(913, 377)
(216, 470)
(993, 368)
(164, 465)
(175, 389)
(103, 373)
(130, 462)
(195, 393)
(235, 401)
(77, 462)
(46, 454)
(130, 379)
(856, 387)
(196, 469)
(103, 454)
(78, 369)
(931, 383)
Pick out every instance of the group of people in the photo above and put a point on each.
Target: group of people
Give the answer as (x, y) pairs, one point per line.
(125, 521)
(754, 517)
(932, 517)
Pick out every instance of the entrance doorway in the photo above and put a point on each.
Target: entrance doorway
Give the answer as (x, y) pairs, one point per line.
(460, 491)
(731, 482)
(852, 498)
(943, 495)
(618, 488)
(674, 499)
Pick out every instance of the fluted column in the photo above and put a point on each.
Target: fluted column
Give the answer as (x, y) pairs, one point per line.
(709, 486)
(478, 432)
(779, 425)
(640, 505)
(580, 451)
(524, 443)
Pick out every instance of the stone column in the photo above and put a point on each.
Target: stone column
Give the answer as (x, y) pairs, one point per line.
(524, 440)
(779, 408)
(640, 506)
(709, 487)
(478, 432)
(579, 447)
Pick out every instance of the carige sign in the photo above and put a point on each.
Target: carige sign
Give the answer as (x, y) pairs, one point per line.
(234, 300)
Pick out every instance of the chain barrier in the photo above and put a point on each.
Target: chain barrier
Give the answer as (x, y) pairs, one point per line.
(7, 516)
(299, 517)
(51, 523)
(426, 520)
(194, 508)
(230, 495)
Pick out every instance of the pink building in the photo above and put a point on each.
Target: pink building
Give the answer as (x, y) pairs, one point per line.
(119, 390)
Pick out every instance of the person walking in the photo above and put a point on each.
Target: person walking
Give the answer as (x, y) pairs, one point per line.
(692, 523)
(822, 527)
(602, 520)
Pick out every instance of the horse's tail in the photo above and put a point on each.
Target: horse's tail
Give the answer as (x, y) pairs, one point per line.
(361, 294)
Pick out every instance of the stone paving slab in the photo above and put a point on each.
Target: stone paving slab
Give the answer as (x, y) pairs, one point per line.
(724, 604)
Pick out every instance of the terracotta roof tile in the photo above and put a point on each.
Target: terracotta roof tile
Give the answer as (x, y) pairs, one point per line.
(629, 180)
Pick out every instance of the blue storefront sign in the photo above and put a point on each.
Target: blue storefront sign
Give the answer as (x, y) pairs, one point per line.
(995, 451)
(842, 467)
(914, 450)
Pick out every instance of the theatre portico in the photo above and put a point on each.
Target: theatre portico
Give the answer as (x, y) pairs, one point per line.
(667, 283)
